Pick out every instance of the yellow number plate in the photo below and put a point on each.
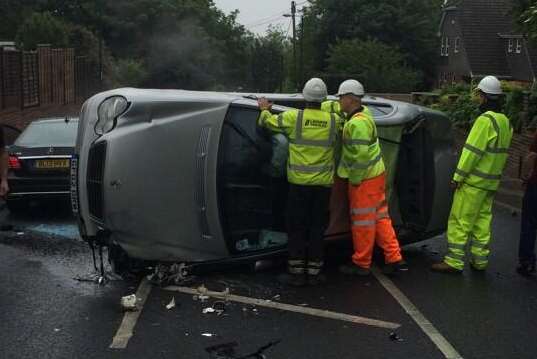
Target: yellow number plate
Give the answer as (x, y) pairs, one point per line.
(52, 163)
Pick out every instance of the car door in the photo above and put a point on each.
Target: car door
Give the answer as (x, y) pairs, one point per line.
(252, 193)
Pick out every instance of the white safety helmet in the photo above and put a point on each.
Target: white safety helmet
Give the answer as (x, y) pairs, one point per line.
(352, 87)
(490, 85)
(315, 90)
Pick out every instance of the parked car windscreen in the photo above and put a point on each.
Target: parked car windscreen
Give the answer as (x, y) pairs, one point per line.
(49, 133)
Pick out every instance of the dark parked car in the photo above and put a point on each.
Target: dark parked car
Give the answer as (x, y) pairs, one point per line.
(40, 160)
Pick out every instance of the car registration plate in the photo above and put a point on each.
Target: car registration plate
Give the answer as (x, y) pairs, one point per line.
(51, 164)
(74, 184)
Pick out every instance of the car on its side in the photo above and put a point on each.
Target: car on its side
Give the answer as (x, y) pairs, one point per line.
(39, 162)
(181, 176)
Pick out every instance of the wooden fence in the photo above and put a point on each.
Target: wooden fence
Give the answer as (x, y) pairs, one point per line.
(44, 77)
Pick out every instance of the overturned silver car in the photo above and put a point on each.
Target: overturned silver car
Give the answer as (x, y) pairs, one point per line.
(181, 176)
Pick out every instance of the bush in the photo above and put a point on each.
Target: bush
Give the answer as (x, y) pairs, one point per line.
(459, 103)
(462, 105)
(514, 103)
(128, 72)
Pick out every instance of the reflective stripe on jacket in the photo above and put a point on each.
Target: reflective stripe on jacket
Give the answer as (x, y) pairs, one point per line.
(361, 157)
(313, 137)
(485, 153)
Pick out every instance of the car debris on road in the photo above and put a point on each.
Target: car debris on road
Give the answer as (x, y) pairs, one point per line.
(171, 304)
(128, 303)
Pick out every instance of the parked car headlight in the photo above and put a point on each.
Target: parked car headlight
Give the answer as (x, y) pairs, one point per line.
(108, 112)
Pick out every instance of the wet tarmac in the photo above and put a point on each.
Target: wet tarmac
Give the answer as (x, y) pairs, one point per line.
(47, 313)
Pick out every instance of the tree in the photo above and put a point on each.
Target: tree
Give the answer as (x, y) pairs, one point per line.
(411, 25)
(526, 13)
(42, 28)
(267, 60)
(378, 66)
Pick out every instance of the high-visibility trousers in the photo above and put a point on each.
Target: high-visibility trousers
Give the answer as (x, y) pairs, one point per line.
(371, 223)
(470, 221)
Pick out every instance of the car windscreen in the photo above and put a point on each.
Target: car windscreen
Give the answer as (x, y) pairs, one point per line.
(43, 134)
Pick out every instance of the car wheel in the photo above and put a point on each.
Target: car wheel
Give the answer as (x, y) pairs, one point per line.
(16, 206)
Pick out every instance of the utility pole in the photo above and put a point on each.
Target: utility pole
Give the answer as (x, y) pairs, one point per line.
(293, 15)
(302, 49)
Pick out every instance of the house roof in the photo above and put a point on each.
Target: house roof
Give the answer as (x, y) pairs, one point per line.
(481, 23)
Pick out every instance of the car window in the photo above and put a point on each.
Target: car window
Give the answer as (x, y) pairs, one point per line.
(380, 110)
(246, 150)
(252, 183)
(57, 133)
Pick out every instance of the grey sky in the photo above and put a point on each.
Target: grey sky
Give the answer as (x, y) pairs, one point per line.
(257, 15)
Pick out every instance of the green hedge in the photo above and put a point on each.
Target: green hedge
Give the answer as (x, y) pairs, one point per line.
(461, 104)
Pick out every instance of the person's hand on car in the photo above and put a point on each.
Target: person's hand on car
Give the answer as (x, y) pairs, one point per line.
(264, 104)
(455, 185)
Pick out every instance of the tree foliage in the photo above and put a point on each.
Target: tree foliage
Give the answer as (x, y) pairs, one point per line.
(409, 25)
(526, 13)
(267, 61)
(42, 28)
(380, 67)
(191, 44)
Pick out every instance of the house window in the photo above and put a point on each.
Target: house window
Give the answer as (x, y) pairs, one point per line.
(518, 46)
(457, 45)
(444, 50)
(510, 46)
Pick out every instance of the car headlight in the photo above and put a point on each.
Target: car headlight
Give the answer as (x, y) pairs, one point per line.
(108, 112)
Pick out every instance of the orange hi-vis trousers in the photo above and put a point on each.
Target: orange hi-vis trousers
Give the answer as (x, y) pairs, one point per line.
(371, 222)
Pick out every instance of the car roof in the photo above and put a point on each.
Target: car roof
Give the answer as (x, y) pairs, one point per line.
(133, 94)
(401, 112)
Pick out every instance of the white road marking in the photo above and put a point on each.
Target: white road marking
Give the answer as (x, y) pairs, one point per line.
(426, 326)
(288, 307)
(126, 329)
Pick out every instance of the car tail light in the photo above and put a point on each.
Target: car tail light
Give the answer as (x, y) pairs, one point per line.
(14, 163)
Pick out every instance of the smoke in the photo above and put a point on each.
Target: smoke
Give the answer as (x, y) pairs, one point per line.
(184, 56)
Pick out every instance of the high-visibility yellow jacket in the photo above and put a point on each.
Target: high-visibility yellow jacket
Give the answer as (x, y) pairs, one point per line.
(333, 107)
(485, 153)
(313, 140)
(361, 158)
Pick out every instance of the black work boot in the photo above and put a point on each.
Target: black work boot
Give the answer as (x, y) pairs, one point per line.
(296, 273)
(294, 280)
(353, 269)
(391, 268)
(316, 279)
(314, 272)
(443, 267)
